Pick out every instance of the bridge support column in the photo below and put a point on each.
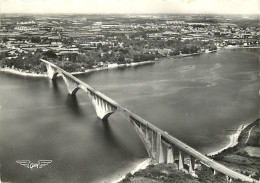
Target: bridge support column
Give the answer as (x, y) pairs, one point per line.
(159, 149)
(103, 108)
(153, 145)
(72, 85)
(170, 156)
(192, 164)
(215, 172)
(51, 72)
(181, 160)
(174, 154)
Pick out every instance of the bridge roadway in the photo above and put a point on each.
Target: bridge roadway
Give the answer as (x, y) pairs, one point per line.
(141, 124)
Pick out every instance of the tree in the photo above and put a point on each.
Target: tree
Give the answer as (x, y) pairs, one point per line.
(35, 39)
(3, 55)
(99, 45)
(121, 59)
(136, 58)
(39, 50)
(50, 54)
(212, 47)
(174, 52)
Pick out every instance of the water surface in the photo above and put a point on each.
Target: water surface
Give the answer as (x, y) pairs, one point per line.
(197, 99)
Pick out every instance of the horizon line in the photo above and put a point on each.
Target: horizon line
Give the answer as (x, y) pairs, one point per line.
(104, 13)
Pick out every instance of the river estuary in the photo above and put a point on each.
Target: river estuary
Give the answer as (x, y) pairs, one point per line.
(199, 100)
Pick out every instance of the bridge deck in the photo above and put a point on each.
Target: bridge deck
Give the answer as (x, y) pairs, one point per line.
(165, 136)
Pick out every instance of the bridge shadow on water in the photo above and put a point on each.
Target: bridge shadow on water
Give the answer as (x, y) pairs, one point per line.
(73, 105)
(111, 138)
(56, 92)
(54, 85)
(108, 133)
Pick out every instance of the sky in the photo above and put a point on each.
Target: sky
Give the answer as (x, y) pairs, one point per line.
(131, 6)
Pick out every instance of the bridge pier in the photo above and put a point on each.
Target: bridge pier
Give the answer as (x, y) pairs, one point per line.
(170, 156)
(51, 72)
(181, 160)
(159, 149)
(153, 145)
(167, 152)
(192, 164)
(174, 154)
(215, 172)
(103, 108)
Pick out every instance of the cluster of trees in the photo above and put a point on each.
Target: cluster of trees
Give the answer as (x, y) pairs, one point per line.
(139, 57)
(189, 46)
(138, 50)
(26, 62)
(133, 53)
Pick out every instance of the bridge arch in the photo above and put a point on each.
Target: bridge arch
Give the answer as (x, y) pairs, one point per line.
(55, 75)
(103, 108)
(51, 71)
(71, 84)
(74, 91)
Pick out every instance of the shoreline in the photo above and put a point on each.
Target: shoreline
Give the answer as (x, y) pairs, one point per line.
(33, 74)
(238, 47)
(133, 64)
(116, 66)
(233, 139)
(21, 73)
(144, 164)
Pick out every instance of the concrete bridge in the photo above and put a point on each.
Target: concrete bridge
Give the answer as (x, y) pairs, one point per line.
(160, 146)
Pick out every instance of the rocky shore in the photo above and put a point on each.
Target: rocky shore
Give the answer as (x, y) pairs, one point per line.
(245, 156)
